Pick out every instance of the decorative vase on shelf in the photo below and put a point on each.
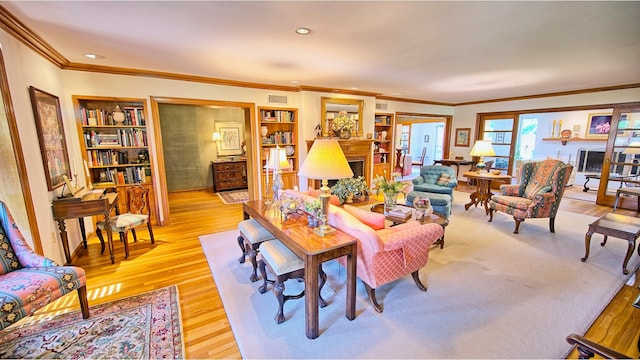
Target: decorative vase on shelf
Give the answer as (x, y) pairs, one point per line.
(118, 115)
(390, 200)
(344, 134)
(263, 131)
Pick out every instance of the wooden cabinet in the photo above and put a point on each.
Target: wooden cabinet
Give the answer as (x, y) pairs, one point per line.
(383, 144)
(114, 144)
(279, 128)
(229, 175)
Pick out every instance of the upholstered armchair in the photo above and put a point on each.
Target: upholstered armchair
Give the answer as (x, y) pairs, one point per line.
(436, 179)
(385, 254)
(537, 196)
(29, 281)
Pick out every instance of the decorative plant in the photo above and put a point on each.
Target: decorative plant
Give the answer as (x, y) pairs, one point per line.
(342, 122)
(312, 207)
(380, 184)
(349, 186)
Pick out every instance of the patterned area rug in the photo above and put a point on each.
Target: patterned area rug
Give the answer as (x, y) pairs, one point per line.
(145, 326)
(234, 196)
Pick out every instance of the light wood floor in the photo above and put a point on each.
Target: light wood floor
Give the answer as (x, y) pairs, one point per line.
(177, 258)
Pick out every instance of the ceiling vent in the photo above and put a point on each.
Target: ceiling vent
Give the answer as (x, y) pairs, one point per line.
(380, 106)
(278, 99)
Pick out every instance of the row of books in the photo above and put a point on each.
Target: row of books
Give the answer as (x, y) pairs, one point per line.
(133, 116)
(277, 116)
(279, 137)
(382, 120)
(106, 157)
(130, 175)
(122, 137)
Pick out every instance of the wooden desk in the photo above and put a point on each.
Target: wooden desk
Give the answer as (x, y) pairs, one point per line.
(454, 162)
(313, 249)
(483, 191)
(620, 226)
(67, 208)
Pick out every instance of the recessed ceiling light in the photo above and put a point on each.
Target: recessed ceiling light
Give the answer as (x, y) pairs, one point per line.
(94, 56)
(302, 31)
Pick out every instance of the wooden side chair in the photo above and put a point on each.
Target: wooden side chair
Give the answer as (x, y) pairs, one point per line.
(420, 161)
(139, 207)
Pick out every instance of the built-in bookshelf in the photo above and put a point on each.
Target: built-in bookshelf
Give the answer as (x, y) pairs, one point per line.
(114, 144)
(382, 144)
(279, 128)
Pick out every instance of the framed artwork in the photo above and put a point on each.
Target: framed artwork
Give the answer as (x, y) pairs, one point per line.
(230, 141)
(426, 138)
(500, 138)
(462, 136)
(598, 126)
(53, 145)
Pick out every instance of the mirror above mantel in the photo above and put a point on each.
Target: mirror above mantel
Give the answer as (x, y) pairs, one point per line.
(332, 106)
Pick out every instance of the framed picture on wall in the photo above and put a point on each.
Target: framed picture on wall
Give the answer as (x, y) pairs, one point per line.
(598, 126)
(462, 136)
(53, 145)
(230, 141)
(426, 138)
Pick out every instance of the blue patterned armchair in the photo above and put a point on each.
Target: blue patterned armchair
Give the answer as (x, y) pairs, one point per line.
(436, 179)
(537, 196)
(29, 281)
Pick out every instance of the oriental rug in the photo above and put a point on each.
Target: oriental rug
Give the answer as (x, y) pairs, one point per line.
(234, 196)
(145, 326)
(491, 294)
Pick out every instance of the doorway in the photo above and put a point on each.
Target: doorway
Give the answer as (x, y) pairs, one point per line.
(415, 132)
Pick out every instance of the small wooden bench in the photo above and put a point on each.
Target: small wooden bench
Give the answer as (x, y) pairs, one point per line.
(252, 234)
(619, 226)
(285, 265)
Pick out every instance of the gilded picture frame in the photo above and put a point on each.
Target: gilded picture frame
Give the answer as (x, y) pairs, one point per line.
(462, 136)
(598, 126)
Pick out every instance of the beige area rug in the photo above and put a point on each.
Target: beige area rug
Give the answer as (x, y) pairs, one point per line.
(575, 192)
(492, 294)
(234, 196)
(145, 326)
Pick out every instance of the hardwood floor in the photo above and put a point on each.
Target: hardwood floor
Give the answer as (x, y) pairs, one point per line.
(177, 258)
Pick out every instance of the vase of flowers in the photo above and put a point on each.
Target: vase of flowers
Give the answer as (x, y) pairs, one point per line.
(342, 125)
(389, 188)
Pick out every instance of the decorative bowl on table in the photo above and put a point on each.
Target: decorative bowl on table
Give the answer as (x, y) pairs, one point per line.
(496, 172)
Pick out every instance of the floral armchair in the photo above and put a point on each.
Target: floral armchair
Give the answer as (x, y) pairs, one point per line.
(537, 196)
(29, 281)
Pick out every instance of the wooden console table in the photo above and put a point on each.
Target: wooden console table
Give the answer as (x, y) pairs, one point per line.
(454, 162)
(74, 207)
(313, 249)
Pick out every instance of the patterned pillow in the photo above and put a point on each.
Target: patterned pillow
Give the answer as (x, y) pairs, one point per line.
(444, 179)
(8, 259)
(534, 188)
(369, 218)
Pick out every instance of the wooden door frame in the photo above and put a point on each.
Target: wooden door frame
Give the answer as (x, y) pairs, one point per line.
(447, 119)
(249, 119)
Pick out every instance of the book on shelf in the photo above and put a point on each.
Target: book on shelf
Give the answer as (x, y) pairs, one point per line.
(401, 211)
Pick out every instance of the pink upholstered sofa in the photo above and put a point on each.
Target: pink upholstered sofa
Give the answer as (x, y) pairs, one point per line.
(385, 254)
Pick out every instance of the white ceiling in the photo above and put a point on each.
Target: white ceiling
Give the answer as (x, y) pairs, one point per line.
(452, 52)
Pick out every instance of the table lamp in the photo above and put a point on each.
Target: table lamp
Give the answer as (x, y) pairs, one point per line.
(276, 161)
(482, 148)
(325, 161)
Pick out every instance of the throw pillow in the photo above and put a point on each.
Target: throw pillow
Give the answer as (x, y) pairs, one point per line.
(444, 179)
(8, 259)
(369, 218)
(534, 188)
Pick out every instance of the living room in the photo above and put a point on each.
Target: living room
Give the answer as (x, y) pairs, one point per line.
(26, 67)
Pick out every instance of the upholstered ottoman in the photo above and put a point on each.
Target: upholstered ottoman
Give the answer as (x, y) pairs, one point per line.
(441, 203)
(285, 265)
(252, 234)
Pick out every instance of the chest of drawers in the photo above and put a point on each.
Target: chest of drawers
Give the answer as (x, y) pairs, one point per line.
(229, 175)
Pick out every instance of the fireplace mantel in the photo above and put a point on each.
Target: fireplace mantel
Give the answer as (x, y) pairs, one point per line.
(353, 150)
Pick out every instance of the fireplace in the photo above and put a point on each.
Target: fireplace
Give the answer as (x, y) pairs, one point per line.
(357, 166)
(590, 161)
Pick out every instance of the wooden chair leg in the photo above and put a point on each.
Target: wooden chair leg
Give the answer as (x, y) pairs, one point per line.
(84, 304)
(323, 280)
(371, 292)
(278, 291)
(416, 279)
(518, 221)
(242, 248)
(99, 234)
(135, 237)
(150, 232)
(253, 254)
(263, 271)
(552, 223)
(491, 214)
(123, 238)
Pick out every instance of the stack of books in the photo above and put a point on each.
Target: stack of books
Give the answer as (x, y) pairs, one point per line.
(403, 212)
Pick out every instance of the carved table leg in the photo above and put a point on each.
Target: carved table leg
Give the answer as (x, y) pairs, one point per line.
(587, 243)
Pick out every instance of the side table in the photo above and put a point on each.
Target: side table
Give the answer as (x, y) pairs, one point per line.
(483, 191)
(620, 226)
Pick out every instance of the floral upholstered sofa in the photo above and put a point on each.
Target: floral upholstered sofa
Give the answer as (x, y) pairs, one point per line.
(385, 253)
(29, 281)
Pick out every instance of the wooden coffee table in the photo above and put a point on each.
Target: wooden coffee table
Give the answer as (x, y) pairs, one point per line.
(619, 226)
(433, 218)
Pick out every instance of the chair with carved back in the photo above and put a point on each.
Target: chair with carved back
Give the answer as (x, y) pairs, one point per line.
(420, 161)
(139, 214)
(29, 281)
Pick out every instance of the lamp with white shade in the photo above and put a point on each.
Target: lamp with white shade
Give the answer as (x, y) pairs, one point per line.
(482, 148)
(325, 161)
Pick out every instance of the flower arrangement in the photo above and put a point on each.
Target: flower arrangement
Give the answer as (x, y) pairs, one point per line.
(349, 186)
(380, 184)
(312, 207)
(342, 122)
